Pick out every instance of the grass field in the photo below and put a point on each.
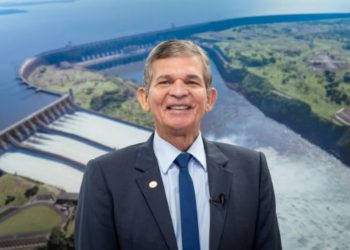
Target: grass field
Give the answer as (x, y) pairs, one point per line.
(38, 218)
(71, 223)
(294, 58)
(16, 186)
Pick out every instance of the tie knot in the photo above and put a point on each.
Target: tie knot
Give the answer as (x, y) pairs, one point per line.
(182, 160)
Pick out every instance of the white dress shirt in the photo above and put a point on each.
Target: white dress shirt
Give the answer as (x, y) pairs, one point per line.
(166, 153)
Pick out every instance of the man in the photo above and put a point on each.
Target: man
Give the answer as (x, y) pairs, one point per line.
(177, 190)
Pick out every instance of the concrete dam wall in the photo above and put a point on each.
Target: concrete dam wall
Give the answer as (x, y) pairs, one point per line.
(103, 54)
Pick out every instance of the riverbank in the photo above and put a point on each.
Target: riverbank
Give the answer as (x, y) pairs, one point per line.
(303, 84)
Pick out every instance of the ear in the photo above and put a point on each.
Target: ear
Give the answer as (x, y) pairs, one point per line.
(212, 96)
(142, 97)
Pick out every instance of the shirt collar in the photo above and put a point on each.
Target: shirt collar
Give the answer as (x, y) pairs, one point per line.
(166, 153)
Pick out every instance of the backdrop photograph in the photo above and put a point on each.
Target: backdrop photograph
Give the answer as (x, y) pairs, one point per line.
(70, 71)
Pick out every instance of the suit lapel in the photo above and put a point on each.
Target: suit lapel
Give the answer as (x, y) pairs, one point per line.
(147, 172)
(220, 180)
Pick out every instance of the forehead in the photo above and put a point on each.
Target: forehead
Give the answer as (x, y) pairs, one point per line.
(178, 66)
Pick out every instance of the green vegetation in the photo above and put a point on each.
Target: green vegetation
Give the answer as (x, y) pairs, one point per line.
(58, 241)
(307, 61)
(13, 190)
(17, 191)
(296, 73)
(114, 97)
(36, 218)
(68, 228)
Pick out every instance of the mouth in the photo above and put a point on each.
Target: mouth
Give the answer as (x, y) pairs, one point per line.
(178, 107)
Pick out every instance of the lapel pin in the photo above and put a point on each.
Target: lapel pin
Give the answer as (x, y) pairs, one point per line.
(153, 184)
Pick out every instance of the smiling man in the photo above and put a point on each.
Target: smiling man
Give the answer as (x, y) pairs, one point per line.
(177, 190)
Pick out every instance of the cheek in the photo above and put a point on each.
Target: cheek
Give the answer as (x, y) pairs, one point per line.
(158, 97)
(154, 102)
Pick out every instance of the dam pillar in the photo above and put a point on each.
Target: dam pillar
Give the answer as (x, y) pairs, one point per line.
(51, 114)
(3, 145)
(56, 110)
(40, 122)
(11, 139)
(25, 129)
(32, 125)
(18, 134)
(45, 118)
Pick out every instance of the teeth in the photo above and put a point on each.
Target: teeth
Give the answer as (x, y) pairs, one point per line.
(179, 107)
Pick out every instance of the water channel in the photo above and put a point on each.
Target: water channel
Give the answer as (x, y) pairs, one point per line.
(310, 184)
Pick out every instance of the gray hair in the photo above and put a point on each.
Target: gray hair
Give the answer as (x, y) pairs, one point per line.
(176, 48)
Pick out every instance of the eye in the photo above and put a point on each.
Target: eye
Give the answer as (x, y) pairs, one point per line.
(192, 82)
(164, 82)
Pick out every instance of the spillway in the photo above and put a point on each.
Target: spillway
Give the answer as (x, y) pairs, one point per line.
(64, 146)
(42, 169)
(101, 129)
(57, 153)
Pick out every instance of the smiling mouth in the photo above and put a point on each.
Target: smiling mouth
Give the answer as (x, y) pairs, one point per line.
(179, 107)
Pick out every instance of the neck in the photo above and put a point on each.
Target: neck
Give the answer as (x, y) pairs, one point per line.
(181, 141)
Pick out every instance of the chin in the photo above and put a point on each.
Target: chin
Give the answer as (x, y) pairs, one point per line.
(181, 128)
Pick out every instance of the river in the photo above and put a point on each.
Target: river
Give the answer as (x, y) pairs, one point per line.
(310, 184)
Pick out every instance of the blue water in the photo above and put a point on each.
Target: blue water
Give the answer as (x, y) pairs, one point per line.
(31, 27)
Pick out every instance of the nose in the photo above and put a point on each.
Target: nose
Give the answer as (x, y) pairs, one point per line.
(178, 89)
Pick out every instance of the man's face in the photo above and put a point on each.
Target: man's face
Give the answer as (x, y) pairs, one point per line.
(177, 96)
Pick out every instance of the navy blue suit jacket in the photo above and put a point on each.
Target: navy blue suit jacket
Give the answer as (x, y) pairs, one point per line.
(118, 210)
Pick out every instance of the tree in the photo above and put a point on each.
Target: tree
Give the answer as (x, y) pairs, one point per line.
(346, 77)
(31, 191)
(329, 75)
(58, 241)
(9, 198)
(346, 46)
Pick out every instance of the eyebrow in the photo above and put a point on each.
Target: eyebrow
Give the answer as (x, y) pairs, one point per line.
(190, 76)
(196, 77)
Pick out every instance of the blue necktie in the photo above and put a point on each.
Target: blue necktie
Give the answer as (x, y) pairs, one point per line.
(189, 222)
